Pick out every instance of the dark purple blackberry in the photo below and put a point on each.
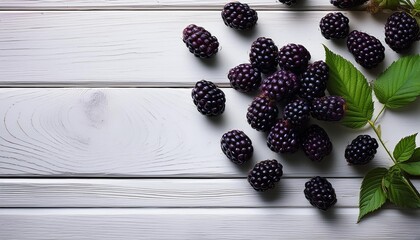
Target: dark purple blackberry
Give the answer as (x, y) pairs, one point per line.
(288, 2)
(297, 112)
(328, 108)
(237, 146)
(314, 81)
(347, 3)
(366, 49)
(283, 137)
(239, 16)
(315, 143)
(199, 41)
(265, 174)
(334, 26)
(361, 150)
(263, 55)
(320, 193)
(244, 78)
(280, 85)
(208, 98)
(401, 30)
(262, 114)
(294, 57)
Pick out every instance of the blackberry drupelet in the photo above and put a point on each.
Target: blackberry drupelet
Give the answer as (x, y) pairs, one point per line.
(361, 150)
(294, 57)
(208, 98)
(283, 137)
(334, 26)
(263, 55)
(288, 2)
(320, 193)
(280, 85)
(262, 114)
(237, 146)
(328, 108)
(297, 112)
(239, 16)
(244, 78)
(265, 174)
(316, 144)
(401, 30)
(313, 82)
(200, 42)
(366, 49)
(347, 3)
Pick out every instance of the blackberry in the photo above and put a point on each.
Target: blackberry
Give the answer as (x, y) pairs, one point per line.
(199, 41)
(288, 2)
(334, 26)
(244, 78)
(237, 146)
(347, 3)
(313, 82)
(366, 49)
(208, 98)
(265, 174)
(262, 114)
(328, 108)
(294, 57)
(361, 150)
(316, 143)
(401, 30)
(239, 16)
(280, 85)
(320, 193)
(283, 137)
(297, 112)
(263, 55)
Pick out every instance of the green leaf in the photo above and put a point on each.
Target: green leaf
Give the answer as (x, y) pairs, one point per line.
(372, 196)
(405, 148)
(400, 83)
(388, 4)
(416, 155)
(417, 5)
(400, 190)
(346, 81)
(412, 168)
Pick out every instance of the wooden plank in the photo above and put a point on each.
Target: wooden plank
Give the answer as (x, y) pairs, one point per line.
(132, 48)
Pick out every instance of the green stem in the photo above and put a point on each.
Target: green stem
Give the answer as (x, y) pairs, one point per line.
(379, 114)
(372, 124)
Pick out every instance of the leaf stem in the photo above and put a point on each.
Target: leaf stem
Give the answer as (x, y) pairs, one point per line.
(379, 114)
(372, 124)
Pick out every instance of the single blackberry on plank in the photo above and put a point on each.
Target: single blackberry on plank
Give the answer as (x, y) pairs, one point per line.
(366, 49)
(315, 143)
(347, 3)
(263, 55)
(313, 82)
(288, 2)
(401, 30)
(297, 112)
(280, 85)
(283, 137)
(262, 113)
(237, 146)
(200, 42)
(244, 78)
(334, 26)
(239, 16)
(294, 57)
(265, 174)
(208, 98)
(361, 150)
(320, 193)
(328, 108)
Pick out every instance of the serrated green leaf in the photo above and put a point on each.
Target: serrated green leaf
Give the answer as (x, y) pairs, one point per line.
(400, 190)
(417, 5)
(400, 83)
(412, 168)
(388, 4)
(346, 81)
(416, 155)
(372, 196)
(405, 148)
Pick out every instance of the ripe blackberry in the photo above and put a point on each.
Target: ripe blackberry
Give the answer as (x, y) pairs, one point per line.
(334, 26)
(263, 55)
(314, 81)
(320, 193)
(288, 2)
(262, 114)
(237, 146)
(328, 108)
(297, 112)
(361, 150)
(401, 30)
(283, 137)
(316, 143)
(265, 174)
(199, 41)
(280, 85)
(208, 98)
(244, 78)
(347, 3)
(239, 16)
(366, 49)
(294, 57)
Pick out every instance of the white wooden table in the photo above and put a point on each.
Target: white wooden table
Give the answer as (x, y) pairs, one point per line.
(84, 155)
